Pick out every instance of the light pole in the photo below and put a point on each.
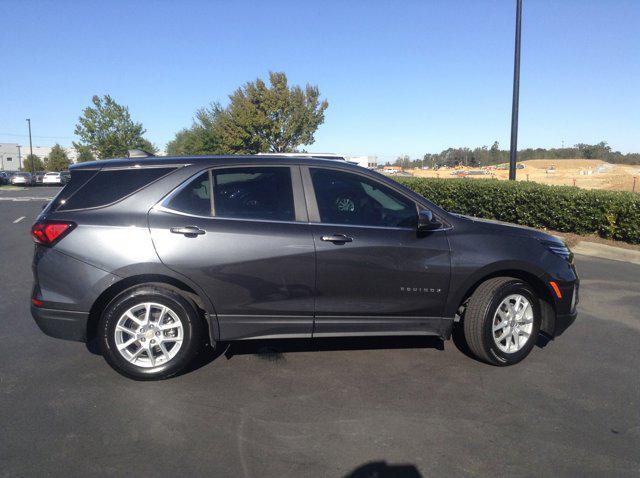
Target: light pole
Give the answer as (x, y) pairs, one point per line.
(516, 96)
(33, 172)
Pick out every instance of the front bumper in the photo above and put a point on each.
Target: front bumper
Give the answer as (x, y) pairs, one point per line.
(61, 324)
(563, 322)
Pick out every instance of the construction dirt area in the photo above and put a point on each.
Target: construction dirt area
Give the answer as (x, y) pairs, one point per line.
(583, 173)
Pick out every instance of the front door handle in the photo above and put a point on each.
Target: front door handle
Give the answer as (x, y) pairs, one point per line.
(188, 231)
(337, 238)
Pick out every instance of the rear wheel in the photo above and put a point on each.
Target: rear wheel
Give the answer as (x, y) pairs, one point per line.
(150, 333)
(502, 321)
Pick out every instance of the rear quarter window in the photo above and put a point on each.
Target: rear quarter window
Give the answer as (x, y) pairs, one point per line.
(88, 188)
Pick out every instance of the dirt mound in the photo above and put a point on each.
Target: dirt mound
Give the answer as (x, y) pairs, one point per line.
(563, 163)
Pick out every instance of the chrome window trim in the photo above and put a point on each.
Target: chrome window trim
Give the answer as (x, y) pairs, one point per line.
(161, 208)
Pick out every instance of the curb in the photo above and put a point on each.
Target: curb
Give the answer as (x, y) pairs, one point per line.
(603, 251)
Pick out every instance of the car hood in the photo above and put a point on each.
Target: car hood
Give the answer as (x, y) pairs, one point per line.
(501, 227)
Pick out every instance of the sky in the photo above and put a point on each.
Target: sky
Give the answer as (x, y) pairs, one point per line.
(403, 77)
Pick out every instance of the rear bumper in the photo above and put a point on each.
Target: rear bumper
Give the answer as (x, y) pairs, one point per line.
(61, 324)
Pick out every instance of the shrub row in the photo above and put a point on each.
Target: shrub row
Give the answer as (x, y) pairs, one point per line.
(610, 214)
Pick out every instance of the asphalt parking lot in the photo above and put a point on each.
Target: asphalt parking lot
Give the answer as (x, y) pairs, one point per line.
(332, 408)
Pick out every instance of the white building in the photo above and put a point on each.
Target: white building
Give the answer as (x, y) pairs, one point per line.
(43, 151)
(370, 162)
(10, 158)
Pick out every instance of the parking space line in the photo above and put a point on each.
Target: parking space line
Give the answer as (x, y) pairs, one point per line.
(19, 219)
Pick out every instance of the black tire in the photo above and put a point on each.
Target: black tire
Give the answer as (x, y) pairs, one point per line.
(192, 325)
(479, 315)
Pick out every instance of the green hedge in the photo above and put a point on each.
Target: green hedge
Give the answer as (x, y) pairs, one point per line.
(610, 214)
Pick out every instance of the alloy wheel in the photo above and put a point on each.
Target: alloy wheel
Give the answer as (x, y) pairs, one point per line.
(149, 334)
(512, 323)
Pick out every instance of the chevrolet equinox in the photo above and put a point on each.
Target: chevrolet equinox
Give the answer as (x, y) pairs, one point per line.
(153, 257)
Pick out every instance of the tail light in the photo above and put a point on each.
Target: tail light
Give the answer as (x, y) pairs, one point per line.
(48, 233)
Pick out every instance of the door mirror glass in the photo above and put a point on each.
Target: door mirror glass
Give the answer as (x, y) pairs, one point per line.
(427, 221)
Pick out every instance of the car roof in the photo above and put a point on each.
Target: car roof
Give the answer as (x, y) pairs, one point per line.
(221, 160)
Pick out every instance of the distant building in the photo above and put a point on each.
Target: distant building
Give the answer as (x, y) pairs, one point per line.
(10, 159)
(370, 162)
(43, 151)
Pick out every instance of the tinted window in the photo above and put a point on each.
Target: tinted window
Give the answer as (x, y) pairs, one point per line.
(253, 193)
(193, 198)
(108, 186)
(346, 198)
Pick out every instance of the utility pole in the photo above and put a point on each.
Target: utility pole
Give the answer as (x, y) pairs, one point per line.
(516, 96)
(33, 166)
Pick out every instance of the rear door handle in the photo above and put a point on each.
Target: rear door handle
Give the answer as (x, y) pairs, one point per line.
(337, 238)
(188, 231)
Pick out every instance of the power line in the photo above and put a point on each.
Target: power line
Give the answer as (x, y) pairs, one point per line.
(36, 136)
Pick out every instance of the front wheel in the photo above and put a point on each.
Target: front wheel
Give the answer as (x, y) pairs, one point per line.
(502, 320)
(150, 333)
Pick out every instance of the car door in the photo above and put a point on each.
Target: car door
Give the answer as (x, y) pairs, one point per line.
(375, 273)
(241, 233)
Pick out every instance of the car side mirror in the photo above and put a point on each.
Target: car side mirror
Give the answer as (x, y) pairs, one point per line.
(427, 221)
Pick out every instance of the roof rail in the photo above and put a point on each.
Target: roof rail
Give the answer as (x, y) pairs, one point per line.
(139, 153)
(337, 157)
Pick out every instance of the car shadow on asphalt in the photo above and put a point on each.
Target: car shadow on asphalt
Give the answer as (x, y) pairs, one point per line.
(381, 469)
(273, 350)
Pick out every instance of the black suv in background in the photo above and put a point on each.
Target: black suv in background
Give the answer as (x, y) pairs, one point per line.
(152, 257)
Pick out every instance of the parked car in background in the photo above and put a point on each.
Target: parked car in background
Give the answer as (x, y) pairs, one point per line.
(153, 256)
(5, 177)
(39, 176)
(22, 179)
(65, 177)
(52, 178)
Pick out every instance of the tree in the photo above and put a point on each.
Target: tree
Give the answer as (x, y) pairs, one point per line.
(84, 154)
(202, 138)
(108, 130)
(32, 163)
(259, 118)
(57, 159)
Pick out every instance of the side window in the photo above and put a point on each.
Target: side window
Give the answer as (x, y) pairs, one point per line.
(193, 198)
(254, 193)
(346, 198)
(109, 186)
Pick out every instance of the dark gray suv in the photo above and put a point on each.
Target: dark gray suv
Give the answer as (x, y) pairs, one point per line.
(154, 257)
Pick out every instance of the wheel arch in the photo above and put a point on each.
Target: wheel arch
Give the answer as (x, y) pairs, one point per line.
(168, 282)
(547, 304)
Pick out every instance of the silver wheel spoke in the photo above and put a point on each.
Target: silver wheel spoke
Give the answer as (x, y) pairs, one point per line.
(121, 328)
(134, 318)
(500, 326)
(172, 339)
(165, 352)
(151, 357)
(136, 353)
(147, 313)
(162, 314)
(506, 334)
(169, 326)
(127, 343)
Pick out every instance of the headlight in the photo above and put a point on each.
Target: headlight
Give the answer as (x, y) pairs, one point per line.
(559, 249)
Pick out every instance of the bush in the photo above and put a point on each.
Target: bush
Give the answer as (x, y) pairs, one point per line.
(610, 214)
